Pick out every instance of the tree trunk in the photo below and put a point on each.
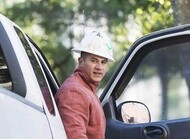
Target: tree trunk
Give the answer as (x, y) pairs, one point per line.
(181, 11)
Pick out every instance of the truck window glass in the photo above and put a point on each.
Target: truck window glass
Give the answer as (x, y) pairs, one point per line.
(51, 78)
(5, 79)
(39, 73)
(161, 81)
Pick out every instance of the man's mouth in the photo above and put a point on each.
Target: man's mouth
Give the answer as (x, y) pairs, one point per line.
(98, 73)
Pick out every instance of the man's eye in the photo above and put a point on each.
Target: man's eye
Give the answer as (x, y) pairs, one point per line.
(104, 62)
(93, 60)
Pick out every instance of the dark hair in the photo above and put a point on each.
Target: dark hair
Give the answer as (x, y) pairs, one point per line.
(84, 54)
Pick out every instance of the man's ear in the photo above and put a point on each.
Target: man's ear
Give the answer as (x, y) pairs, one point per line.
(80, 60)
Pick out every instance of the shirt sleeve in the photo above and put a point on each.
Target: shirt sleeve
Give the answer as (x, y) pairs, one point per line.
(74, 106)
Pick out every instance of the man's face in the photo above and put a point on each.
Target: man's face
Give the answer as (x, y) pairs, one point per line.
(94, 66)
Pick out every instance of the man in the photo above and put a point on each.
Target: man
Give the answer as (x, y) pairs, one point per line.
(77, 101)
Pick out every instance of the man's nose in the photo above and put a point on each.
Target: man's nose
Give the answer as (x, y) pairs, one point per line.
(99, 65)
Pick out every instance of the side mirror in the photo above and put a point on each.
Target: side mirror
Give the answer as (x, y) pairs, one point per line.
(133, 112)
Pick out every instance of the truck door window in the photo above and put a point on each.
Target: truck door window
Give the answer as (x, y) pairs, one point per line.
(51, 78)
(162, 82)
(5, 79)
(44, 86)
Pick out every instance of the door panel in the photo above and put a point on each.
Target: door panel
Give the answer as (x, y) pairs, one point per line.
(21, 118)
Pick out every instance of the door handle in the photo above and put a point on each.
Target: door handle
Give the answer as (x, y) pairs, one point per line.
(155, 132)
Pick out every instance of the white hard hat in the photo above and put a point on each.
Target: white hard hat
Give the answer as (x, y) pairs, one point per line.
(96, 43)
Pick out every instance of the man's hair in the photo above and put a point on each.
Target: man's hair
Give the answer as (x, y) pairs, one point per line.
(84, 55)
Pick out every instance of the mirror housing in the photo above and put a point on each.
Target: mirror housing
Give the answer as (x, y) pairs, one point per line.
(133, 112)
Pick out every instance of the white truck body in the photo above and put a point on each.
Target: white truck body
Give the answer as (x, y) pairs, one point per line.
(25, 82)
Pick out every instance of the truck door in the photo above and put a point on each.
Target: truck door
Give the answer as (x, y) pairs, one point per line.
(148, 96)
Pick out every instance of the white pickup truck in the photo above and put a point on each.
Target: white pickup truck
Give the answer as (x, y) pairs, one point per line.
(27, 85)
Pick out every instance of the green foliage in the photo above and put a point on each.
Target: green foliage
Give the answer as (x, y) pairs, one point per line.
(156, 16)
(53, 24)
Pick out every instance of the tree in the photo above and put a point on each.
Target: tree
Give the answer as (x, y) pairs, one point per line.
(44, 21)
(58, 25)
